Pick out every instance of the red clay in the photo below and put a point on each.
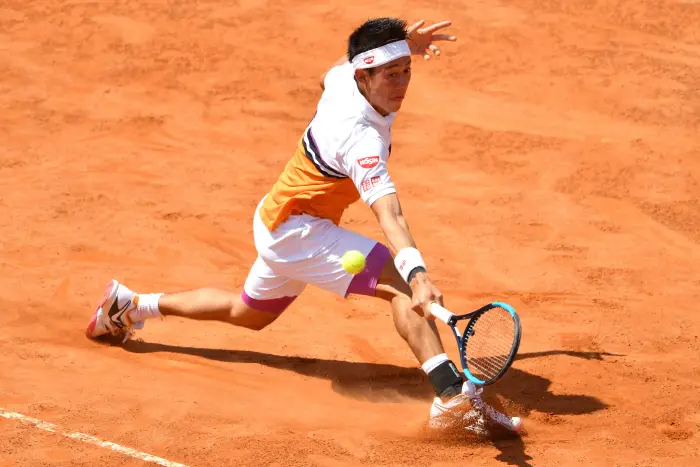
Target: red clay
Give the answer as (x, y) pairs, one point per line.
(549, 158)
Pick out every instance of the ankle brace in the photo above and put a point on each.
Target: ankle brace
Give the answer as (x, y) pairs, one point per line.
(446, 380)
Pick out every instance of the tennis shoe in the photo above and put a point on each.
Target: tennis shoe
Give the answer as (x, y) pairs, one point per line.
(112, 313)
(468, 411)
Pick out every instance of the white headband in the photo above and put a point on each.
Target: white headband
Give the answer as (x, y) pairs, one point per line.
(381, 55)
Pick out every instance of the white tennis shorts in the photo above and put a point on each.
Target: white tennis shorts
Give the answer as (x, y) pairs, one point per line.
(307, 250)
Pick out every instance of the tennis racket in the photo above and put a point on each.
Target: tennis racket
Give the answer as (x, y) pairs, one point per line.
(490, 341)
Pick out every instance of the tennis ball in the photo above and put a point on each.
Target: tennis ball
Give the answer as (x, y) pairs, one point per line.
(353, 261)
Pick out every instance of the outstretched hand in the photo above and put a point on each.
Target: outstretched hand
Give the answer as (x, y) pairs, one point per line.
(420, 40)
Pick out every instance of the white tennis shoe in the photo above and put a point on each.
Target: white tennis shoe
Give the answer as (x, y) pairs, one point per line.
(112, 313)
(467, 410)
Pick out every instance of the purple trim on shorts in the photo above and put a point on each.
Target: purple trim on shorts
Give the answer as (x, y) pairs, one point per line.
(272, 305)
(365, 283)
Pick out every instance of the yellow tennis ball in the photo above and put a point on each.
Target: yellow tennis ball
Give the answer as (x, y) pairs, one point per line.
(353, 262)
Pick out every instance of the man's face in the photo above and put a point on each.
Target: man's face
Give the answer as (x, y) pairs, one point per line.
(386, 86)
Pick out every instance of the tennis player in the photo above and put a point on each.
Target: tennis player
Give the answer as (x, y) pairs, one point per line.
(340, 158)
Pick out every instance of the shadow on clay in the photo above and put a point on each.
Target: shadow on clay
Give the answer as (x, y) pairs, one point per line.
(513, 452)
(382, 382)
(518, 392)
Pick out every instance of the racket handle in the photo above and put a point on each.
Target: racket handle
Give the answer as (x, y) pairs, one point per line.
(441, 313)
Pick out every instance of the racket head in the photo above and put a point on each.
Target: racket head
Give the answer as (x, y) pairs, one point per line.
(490, 343)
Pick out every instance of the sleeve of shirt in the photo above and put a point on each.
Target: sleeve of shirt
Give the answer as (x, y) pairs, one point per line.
(339, 76)
(366, 165)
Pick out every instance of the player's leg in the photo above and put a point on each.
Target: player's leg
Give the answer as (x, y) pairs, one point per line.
(457, 402)
(264, 297)
(381, 279)
(420, 334)
(209, 304)
(321, 266)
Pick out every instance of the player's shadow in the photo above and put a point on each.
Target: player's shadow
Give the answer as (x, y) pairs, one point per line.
(531, 392)
(382, 382)
(513, 452)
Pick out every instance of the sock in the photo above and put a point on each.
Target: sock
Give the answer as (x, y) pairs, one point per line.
(146, 307)
(444, 376)
(430, 364)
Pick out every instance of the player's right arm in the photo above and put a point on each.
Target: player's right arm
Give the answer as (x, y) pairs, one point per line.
(366, 165)
(387, 210)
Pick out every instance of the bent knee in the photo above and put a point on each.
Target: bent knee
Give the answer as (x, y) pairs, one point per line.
(257, 314)
(255, 320)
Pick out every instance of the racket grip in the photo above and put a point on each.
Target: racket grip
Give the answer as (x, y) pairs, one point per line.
(441, 313)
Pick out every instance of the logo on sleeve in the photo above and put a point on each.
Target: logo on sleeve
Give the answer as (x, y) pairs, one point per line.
(368, 162)
(370, 183)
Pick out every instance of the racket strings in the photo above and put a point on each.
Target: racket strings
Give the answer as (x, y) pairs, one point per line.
(489, 343)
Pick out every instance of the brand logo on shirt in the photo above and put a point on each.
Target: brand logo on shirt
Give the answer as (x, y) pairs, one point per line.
(369, 60)
(370, 183)
(368, 162)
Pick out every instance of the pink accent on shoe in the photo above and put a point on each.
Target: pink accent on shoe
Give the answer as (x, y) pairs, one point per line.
(93, 321)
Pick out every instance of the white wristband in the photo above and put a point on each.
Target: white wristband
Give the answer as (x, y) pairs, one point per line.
(406, 260)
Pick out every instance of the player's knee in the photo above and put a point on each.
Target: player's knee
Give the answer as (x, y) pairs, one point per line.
(253, 319)
(257, 314)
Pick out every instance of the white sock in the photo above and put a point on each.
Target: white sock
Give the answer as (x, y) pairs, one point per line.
(432, 363)
(147, 307)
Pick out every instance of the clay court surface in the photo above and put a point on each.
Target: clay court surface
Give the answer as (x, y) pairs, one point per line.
(549, 159)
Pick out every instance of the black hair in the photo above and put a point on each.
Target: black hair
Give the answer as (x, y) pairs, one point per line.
(375, 33)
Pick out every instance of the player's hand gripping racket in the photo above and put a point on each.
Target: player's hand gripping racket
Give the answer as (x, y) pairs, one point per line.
(490, 341)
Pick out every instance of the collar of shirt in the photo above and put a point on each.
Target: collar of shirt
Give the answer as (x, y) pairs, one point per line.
(370, 112)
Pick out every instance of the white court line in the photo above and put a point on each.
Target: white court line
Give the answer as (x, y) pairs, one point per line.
(51, 428)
